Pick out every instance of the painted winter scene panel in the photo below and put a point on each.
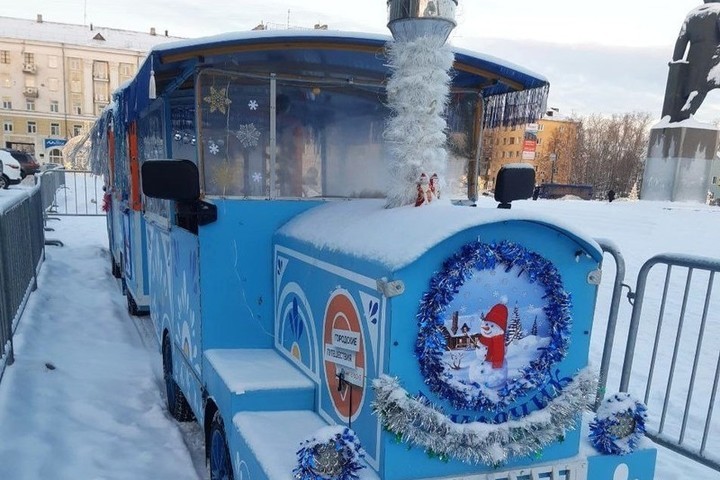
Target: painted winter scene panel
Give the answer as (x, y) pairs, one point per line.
(494, 327)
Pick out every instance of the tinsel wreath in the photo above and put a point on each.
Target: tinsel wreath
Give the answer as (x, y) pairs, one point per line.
(415, 420)
(416, 131)
(444, 285)
(333, 453)
(619, 425)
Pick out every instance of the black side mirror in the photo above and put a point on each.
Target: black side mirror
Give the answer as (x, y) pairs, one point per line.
(515, 181)
(177, 180)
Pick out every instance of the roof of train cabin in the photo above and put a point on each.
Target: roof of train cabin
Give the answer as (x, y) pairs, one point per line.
(359, 53)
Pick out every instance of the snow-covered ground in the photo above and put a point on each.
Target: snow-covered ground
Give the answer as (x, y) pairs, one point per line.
(84, 399)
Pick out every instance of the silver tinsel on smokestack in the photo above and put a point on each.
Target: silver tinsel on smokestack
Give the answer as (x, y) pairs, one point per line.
(418, 93)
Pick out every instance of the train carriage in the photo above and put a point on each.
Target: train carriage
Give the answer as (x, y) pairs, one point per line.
(248, 178)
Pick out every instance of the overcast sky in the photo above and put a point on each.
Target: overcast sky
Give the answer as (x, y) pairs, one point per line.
(600, 57)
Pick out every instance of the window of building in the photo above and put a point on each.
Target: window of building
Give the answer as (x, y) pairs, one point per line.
(54, 129)
(4, 56)
(31, 127)
(30, 105)
(6, 103)
(513, 128)
(504, 141)
(28, 58)
(100, 70)
(512, 140)
(77, 130)
(715, 180)
(539, 140)
(54, 106)
(541, 127)
(76, 82)
(52, 61)
(30, 81)
(126, 70)
(8, 126)
(55, 155)
(5, 80)
(77, 104)
(75, 64)
(53, 84)
(497, 141)
(503, 154)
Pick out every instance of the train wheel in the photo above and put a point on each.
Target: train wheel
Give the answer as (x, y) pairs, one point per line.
(220, 462)
(176, 401)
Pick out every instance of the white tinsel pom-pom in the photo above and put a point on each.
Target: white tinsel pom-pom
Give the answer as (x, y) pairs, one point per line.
(416, 132)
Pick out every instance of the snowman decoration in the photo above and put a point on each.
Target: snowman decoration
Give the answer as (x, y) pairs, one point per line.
(490, 369)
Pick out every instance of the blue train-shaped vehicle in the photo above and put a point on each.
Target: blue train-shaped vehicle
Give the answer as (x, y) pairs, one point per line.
(315, 333)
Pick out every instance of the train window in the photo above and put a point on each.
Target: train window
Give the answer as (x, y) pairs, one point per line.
(328, 138)
(151, 146)
(234, 134)
(463, 132)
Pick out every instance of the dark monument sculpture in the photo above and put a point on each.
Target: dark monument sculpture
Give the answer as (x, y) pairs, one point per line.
(689, 80)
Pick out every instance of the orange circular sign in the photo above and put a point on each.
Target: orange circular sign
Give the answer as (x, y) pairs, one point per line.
(344, 355)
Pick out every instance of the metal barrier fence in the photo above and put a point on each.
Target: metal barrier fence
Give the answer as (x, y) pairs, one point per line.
(22, 243)
(685, 320)
(75, 192)
(666, 361)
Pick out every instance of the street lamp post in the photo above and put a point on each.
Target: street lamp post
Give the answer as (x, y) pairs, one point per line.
(552, 157)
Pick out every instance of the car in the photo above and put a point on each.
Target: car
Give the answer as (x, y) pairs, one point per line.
(11, 170)
(28, 164)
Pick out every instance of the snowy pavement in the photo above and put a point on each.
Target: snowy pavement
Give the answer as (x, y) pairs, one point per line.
(84, 399)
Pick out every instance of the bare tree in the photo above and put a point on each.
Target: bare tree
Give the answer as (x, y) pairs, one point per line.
(612, 151)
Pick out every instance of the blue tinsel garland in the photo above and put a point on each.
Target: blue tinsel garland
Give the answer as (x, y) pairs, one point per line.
(446, 284)
(615, 411)
(345, 446)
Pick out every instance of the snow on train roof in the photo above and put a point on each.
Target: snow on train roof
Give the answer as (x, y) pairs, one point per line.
(396, 237)
(527, 78)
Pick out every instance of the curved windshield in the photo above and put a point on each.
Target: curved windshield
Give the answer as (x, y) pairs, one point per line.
(281, 137)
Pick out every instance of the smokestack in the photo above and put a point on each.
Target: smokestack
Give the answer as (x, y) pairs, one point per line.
(166, 33)
(412, 19)
(152, 31)
(39, 18)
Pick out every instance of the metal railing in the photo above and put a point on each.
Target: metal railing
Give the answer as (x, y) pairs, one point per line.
(74, 192)
(21, 254)
(609, 247)
(670, 316)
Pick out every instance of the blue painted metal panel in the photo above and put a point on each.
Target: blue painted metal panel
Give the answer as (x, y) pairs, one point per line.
(236, 271)
(557, 247)
(135, 258)
(639, 465)
(324, 300)
(174, 284)
(308, 281)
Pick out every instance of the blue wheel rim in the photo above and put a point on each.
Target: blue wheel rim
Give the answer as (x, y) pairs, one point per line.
(219, 459)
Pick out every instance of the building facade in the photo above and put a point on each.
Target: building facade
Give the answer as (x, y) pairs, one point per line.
(550, 145)
(56, 78)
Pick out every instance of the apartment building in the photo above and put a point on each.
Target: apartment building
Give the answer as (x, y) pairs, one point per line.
(56, 78)
(550, 145)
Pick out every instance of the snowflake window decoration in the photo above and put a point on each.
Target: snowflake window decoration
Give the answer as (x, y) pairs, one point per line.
(218, 100)
(213, 147)
(619, 425)
(432, 342)
(257, 177)
(253, 105)
(248, 135)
